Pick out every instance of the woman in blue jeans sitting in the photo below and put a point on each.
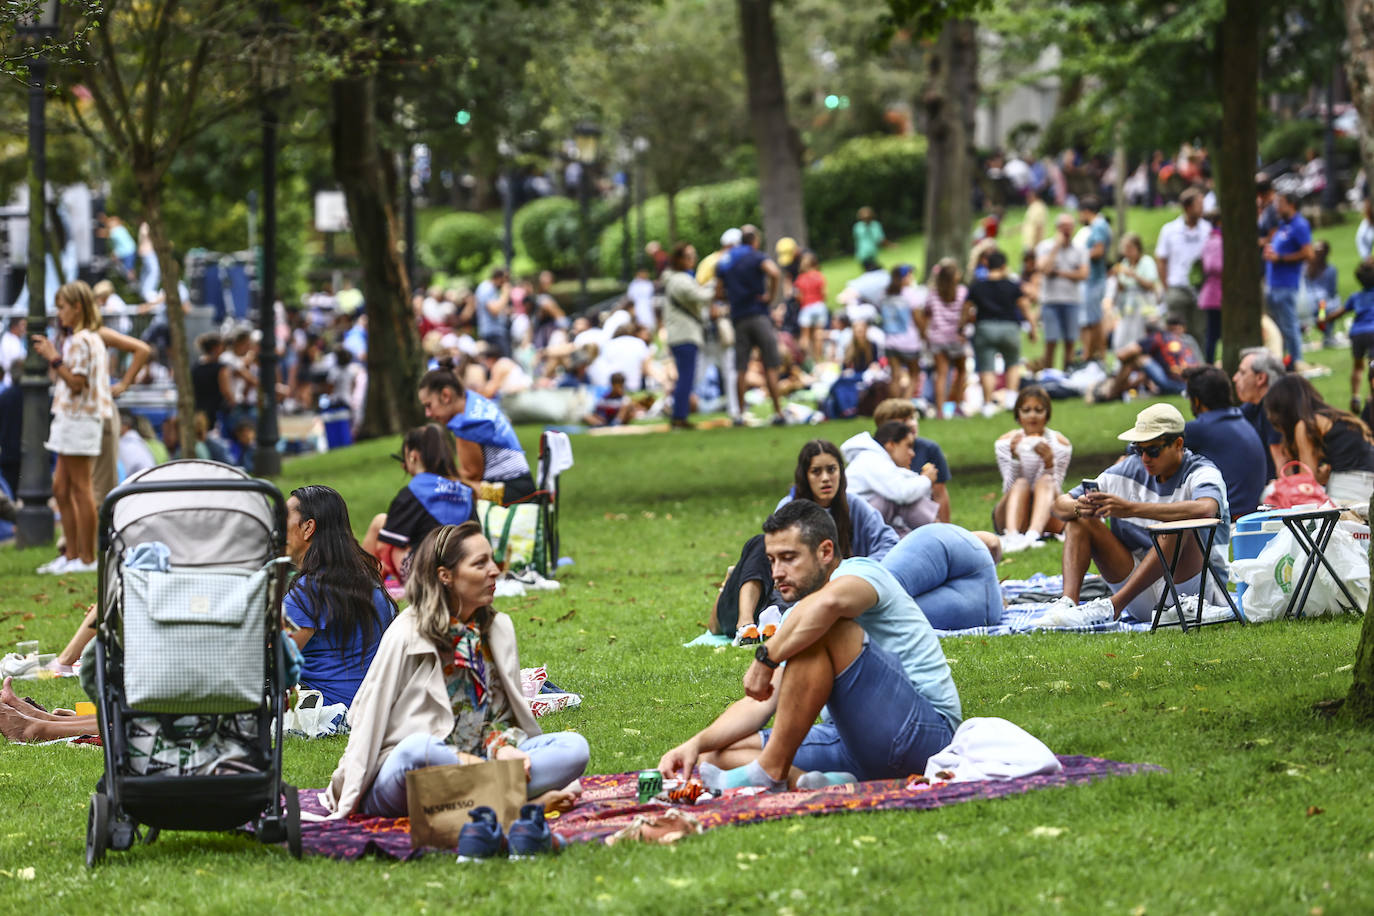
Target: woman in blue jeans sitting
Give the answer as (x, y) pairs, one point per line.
(444, 688)
(951, 575)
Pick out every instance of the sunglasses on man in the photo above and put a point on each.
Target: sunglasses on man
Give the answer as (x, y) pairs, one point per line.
(1150, 451)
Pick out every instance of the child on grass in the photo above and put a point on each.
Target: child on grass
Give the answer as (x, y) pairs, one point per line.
(1361, 329)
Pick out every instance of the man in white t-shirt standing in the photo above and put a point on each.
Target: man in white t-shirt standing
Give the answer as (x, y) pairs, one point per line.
(1180, 247)
(1064, 267)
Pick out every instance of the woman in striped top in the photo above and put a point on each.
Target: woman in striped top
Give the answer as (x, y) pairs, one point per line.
(943, 328)
(1033, 460)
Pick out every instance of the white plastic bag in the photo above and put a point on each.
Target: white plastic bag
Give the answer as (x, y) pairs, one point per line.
(313, 719)
(1269, 577)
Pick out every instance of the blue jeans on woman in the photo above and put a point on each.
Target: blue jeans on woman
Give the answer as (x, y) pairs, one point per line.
(950, 575)
(556, 760)
(685, 356)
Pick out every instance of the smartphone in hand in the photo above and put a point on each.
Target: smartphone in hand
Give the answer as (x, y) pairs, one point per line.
(1090, 486)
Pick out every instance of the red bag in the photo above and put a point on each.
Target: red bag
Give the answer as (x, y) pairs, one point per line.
(1297, 489)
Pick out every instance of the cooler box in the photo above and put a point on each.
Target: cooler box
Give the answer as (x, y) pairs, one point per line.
(338, 428)
(1248, 537)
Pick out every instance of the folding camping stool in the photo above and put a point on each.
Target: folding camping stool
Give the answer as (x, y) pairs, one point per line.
(1312, 529)
(1193, 527)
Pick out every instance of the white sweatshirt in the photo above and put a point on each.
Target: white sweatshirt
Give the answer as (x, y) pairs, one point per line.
(870, 471)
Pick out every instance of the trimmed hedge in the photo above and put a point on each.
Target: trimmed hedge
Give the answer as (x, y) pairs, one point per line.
(531, 223)
(1291, 140)
(461, 243)
(886, 173)
(548, 228)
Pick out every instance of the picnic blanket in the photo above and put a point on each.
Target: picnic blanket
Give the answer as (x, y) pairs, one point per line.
(609, 803)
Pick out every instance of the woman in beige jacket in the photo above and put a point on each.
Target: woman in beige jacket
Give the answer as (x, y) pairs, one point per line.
(444, 688)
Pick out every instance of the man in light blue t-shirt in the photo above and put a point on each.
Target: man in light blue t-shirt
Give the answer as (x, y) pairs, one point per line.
(854, 642)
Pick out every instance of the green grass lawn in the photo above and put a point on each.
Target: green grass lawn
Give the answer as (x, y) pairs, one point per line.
(1264, 807)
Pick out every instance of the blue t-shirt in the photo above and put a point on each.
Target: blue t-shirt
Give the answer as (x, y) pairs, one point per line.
(335, 674)
(1289, 238)
(926, 450)
(1196, 478)
(1228, 439)
(1362, 304)
(745, 282)
(483, 423)
(1099, 233)
(897, 624)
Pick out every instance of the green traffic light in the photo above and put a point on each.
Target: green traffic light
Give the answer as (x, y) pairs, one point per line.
(832, 102)
(462, 117)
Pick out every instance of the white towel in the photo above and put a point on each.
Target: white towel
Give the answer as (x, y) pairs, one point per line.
(558, 453)
(992, 748)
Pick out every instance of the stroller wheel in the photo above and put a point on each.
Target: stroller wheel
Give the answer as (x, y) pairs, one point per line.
(293, 821)
(97, 829)
(151, 838)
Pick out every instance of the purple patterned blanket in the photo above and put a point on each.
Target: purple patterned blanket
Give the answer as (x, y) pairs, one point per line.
(609, 803)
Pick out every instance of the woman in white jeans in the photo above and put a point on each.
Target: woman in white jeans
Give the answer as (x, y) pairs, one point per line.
(444, 688)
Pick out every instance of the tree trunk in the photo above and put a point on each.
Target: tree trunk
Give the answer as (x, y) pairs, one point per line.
(672, 217)
(776, 141)
(1359, 69)
(394, 360)
(1238, 60)
(150, 195)
(947, 105)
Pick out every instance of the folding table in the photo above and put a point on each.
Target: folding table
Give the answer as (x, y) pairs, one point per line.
(1194, 527)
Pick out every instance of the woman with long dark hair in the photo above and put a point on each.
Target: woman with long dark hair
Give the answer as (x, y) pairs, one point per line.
(1335, 444)
(488, 448)
(337, 604)
(433, 497)
(445, 689)
(819, 477)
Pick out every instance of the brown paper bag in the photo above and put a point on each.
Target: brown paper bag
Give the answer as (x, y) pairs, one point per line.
(440, 798)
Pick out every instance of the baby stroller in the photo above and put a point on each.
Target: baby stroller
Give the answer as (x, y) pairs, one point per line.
(188, 660)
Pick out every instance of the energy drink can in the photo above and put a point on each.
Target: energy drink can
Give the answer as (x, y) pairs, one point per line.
(650, 784)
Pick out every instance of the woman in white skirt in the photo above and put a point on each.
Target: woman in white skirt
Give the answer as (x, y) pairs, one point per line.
(81, 400)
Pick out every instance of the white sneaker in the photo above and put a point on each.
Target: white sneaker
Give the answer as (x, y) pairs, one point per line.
(530, 578)
(507, 587)
(989, 409)
(1062, 612)
(56, 565)
(76, 566)
(1014, 542)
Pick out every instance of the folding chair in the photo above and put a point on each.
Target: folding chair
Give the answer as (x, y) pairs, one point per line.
(1312, 529)
(1194, 527)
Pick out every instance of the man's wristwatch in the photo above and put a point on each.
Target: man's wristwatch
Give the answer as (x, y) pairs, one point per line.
(761, 655)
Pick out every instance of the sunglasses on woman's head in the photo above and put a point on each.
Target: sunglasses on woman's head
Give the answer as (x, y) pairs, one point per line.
(1150, 451)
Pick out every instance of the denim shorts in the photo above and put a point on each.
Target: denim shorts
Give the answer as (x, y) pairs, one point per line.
(1060, 320)
(993, 337)
(815, 315)
(881, 727)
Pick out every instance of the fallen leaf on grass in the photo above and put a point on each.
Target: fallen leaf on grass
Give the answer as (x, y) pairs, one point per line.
(1048, 832)
(538, 620)
(1006, 697)
(20, 626)
(1343, 668)
(1105, 685)
(679, 883)
(1313, 810)
(630, 731)
(30, 615)
(568, 616)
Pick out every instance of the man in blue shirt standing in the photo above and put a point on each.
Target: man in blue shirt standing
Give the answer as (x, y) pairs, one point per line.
(1288, 249)
(1099, 247)
(749, 280)
(854, 642)
(1222, 434)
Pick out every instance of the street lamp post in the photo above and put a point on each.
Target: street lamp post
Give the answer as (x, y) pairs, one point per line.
(266, 459)
(34, 525)
(627, 158)
(641, 147)
(507, 152)
(587, 136)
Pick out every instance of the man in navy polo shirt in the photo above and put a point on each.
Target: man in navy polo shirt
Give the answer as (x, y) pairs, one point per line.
(1288, 249)
(1221, 433)
(749, 280)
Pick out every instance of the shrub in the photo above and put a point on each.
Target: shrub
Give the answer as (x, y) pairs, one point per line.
(460, 242)
(887, 173)
(531, 227)
(1291, 140)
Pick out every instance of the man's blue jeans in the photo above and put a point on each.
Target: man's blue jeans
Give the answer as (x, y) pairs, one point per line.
(1283, 308)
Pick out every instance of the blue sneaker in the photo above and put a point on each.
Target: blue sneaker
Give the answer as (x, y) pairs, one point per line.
(481, 839)
(530, 834)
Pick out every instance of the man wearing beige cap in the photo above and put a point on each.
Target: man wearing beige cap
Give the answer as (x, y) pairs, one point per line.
(1106, 520)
